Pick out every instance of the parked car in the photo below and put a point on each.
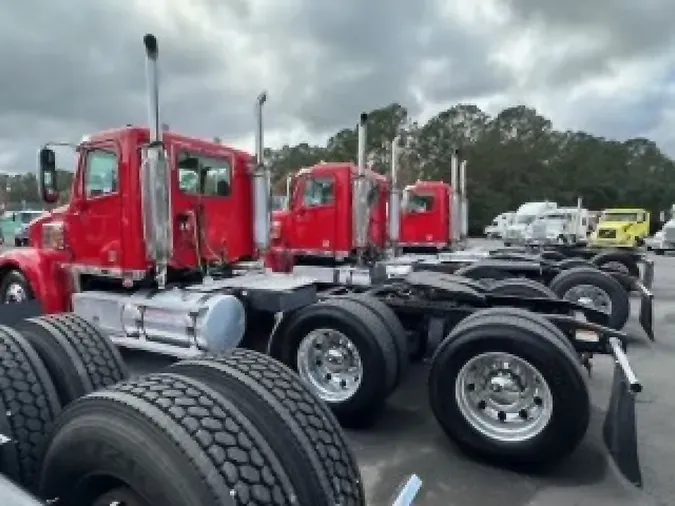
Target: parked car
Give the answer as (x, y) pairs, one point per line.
(23, 219)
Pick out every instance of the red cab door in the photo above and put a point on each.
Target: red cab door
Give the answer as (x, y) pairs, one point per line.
(95, 214)
(312, 228)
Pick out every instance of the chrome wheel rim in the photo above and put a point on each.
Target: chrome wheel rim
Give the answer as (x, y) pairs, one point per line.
(15, 293)
(503, 397)
(331, 364)
(591, 296)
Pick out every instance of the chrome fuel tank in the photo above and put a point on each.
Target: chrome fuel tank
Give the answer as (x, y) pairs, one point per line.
(173, 322)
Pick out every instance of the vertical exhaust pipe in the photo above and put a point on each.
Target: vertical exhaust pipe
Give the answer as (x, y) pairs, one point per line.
(577, 234)
(155, 176)
(261, 191)
(360, 197)
(394, 198)
(464, 208)
(455, 208)
(289, 182)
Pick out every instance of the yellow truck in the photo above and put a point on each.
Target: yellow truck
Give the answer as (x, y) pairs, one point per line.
(622, 228)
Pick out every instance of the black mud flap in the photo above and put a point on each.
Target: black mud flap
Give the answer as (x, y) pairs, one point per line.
(646, 308)
(620, 427)
(648, 273)
(11, 314)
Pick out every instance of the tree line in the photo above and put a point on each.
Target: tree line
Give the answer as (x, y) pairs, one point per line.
(512, 157)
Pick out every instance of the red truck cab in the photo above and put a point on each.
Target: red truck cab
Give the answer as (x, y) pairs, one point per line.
(319, 221)
(426, 216)
(100, 233)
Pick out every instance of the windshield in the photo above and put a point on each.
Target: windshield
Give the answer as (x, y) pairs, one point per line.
(556, 217)
(622, 217)
(525, 219)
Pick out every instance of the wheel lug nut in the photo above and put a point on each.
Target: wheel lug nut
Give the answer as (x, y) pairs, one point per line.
(523, 414)
(502, 416)
(481, 405)
(328, 376)
(537, 401)
(471, 387)
(343, 383)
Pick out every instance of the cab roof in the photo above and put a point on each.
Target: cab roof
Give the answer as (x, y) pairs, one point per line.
(142, 135)
(330, 167)
(624, 210)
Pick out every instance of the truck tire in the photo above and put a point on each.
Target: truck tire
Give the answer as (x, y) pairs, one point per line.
(360, 329)
(607, 294)
(168, 439)
(522, 287)
(571, 263)
(548, 423)
(15, 288)
(79, 358)
(297, 425)
(28, 406)
(619, 260)
(487, 276)
(532, 317)
(389, 319)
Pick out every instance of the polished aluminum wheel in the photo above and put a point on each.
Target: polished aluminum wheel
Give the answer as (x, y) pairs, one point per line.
(330, 363)
(503, 397)
(591, 296)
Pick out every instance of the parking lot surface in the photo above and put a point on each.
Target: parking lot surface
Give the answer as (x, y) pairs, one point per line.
(407, 439)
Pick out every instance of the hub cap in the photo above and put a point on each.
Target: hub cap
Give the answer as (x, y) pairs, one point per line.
(591, 296)
(330, 363)
(15, 293)
(503, 397)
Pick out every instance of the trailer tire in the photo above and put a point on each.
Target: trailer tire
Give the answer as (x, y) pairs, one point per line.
(617, 258)
(486, 276)
(28, 406)
(374, 344)
(289, 415)
(79, 358)
(522, 287)
(532, 317)
(571, 263)
(561, 401)
(165, 437)
(389, 319)
(606, 286)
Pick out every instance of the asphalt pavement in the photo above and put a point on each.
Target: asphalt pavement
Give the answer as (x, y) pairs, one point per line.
(406, 439)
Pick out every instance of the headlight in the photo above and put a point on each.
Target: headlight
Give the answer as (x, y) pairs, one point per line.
(276, 229)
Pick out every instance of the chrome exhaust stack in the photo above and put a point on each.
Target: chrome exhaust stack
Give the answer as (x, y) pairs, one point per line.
(261, 186)
(464, 208)
(394, 198)
(455, 208)
(156, 176)
(360, 196)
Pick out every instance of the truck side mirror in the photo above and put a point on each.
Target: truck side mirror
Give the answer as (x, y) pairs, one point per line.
(13, 216)
(47, 176)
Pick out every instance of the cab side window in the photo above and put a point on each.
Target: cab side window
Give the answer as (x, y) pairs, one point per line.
(319, 192)
(101, 176)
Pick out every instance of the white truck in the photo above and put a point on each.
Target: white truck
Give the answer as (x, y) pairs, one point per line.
(499, 224)
(520, 231)
(664, 240)
(561, 225)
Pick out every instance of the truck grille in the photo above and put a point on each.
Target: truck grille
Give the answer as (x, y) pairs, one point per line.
(539, 231)
(606, 233)
(669, 234)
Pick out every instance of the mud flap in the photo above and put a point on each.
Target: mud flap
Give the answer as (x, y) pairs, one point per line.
(648, 274)
(620, 428)
(646, 308)
(11, 314)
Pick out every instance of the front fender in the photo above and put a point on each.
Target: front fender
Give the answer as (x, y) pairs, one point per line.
(43, 269)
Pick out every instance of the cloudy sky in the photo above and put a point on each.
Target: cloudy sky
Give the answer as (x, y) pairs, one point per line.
(74, 66)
